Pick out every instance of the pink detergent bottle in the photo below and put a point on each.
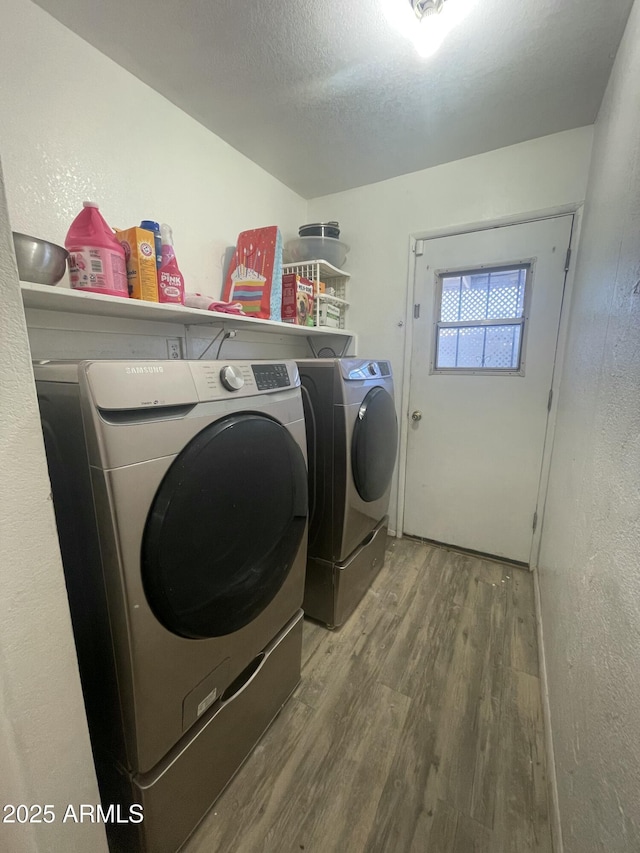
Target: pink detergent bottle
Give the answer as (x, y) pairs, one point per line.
(96, 258)
(170, 280)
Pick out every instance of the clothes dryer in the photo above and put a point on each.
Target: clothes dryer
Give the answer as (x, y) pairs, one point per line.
(352, 437)
(180, 492)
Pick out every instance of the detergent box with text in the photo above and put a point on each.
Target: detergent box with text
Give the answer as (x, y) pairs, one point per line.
(140, 257)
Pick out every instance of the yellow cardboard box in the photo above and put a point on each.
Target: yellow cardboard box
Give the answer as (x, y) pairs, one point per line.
(140, 256)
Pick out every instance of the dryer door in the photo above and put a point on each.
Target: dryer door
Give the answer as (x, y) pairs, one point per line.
(225, 526)
(374, 444)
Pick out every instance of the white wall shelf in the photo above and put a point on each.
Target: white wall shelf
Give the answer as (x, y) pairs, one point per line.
(46, 298)
(335, 300)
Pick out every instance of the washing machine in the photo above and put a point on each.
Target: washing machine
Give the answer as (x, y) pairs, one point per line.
(352, 438)
(180, 493)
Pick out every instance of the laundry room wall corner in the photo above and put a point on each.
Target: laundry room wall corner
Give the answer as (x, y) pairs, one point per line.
(588, 565)
(514, 183)
(45, 753)
(189, 177)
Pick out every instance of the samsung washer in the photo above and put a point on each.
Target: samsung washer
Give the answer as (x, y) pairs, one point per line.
(180, 492)
(352, 437)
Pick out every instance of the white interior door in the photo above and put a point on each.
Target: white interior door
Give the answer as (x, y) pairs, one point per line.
(484, 345)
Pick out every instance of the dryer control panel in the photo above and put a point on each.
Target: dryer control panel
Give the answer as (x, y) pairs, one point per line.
(357, 369)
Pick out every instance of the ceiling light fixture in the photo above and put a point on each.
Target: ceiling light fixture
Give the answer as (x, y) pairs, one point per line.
(423, 8)
(426, 23)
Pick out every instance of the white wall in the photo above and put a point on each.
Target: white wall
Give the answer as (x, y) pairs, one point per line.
(590, 557)
(45, 754)
(376, 220)
(75, 126)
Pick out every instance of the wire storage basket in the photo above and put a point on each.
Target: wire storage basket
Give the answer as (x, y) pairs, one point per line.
(329, 290)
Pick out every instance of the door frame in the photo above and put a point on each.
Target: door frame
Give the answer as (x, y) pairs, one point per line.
(575, 209)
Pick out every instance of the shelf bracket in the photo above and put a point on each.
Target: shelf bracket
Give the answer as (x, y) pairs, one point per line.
(341, 354)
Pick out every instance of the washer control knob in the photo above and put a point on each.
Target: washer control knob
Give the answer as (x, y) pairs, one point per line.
(231, 377)
(372, 368)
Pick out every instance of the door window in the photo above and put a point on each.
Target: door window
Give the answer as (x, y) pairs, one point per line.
(225, 526)
(480, 320)
(374, 444)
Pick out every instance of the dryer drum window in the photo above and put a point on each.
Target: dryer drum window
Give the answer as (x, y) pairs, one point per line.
(225, 526)
(374, 444)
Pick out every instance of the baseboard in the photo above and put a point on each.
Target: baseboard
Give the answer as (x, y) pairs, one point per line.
(552, 780)
(481, 555)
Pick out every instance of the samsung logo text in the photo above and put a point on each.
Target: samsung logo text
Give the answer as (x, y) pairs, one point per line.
(147, 368)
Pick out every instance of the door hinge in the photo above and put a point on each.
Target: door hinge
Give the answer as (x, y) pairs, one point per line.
(419, 248)
(535, 521)
(567, 260)
(550, 400)
(416, 311)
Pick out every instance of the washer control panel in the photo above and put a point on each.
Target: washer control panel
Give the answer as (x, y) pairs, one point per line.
(271, 376)
(218, 380)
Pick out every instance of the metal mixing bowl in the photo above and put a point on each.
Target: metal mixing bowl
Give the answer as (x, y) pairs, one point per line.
(38, 260)
(320, 229)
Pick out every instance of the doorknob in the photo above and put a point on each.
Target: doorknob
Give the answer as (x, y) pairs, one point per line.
(416, 416)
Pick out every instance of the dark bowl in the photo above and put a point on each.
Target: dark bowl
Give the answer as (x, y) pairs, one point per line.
(320, 229)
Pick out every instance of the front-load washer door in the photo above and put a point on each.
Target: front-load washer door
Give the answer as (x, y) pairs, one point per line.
(374, 445)
(225, 526)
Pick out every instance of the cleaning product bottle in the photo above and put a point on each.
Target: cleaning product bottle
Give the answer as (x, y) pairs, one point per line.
(96, 258)
(170, 280)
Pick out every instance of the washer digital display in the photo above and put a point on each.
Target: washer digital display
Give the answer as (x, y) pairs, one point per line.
(271, 376)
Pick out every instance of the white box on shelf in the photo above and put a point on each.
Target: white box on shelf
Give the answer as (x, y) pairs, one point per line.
(329, 315)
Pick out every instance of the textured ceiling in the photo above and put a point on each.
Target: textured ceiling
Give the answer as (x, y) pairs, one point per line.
(326, 96)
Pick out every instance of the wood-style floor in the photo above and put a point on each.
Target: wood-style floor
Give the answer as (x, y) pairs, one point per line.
(416, 727)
